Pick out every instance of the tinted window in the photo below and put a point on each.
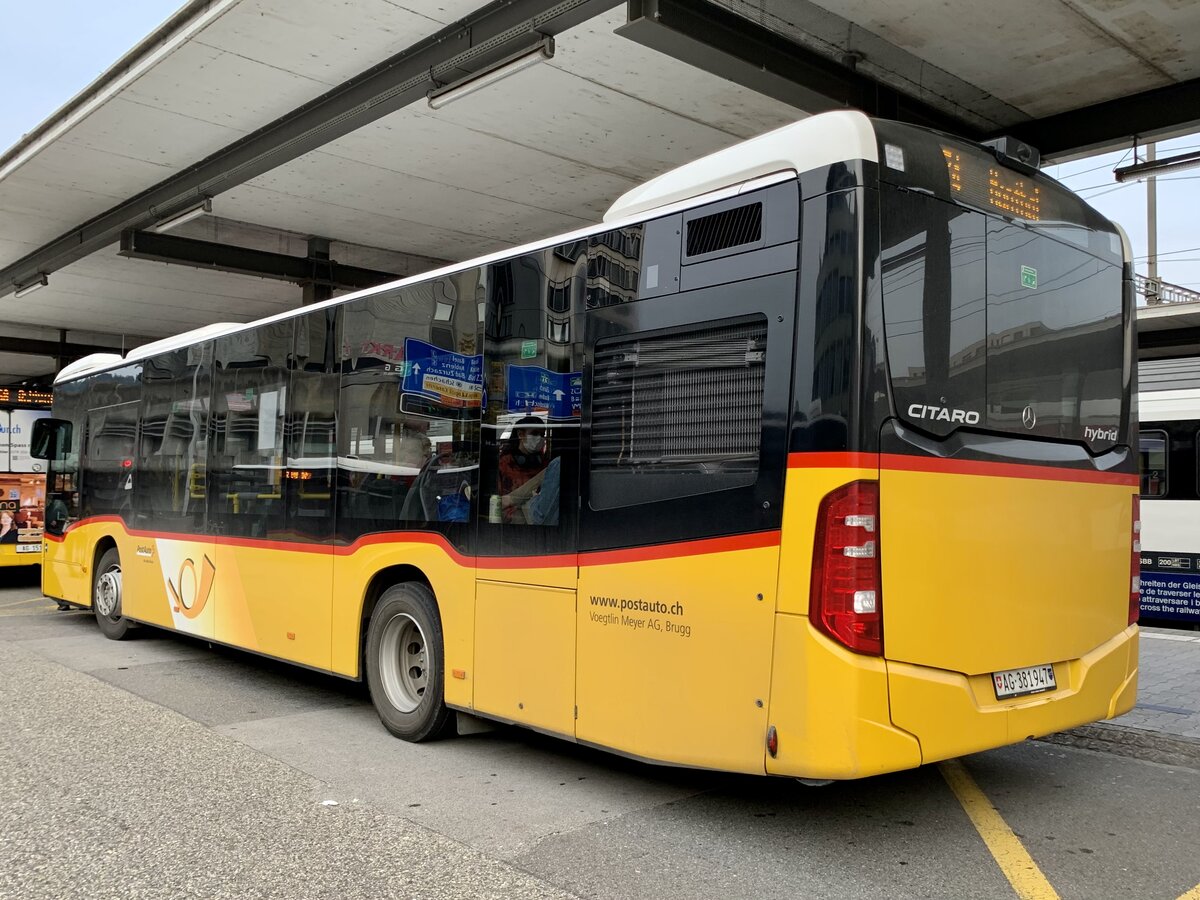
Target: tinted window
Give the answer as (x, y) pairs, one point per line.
(110, 441)
(934, 287)
(408, 423)
(1152, 460)
(614, 262)
(1055, 338)
(995, 325)
(62, 487)
(172, 457)
(311, 423)
(534, 395)
(246, 460)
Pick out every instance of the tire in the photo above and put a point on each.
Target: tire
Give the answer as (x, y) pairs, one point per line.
(106, 597)
(406, 665)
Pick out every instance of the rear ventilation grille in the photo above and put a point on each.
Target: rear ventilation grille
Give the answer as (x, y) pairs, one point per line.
(720, 231)
(685, 401)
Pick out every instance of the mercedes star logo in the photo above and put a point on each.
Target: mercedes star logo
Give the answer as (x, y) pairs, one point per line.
(1029, 417)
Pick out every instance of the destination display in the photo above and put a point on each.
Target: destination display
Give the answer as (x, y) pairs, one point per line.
(981, 184)
(19, 396)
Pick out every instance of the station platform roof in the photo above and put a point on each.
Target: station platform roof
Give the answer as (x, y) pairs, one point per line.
(307, 125)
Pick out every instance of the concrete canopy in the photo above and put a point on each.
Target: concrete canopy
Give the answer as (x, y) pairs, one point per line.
(304, 119)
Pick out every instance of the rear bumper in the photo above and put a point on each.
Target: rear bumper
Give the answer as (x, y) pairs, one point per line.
(841, 715)
(951, 714)
(10, 556)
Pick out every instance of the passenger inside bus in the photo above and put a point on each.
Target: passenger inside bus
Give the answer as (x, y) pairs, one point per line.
(529, 479)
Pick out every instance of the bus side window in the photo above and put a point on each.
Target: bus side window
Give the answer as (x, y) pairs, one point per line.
(1152, 457)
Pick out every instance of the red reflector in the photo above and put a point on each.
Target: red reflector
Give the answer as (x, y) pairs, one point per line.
(772, 741)
(1135, 564)
(127, 464)
(845, 600)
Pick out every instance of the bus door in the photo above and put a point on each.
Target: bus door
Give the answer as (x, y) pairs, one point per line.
(686, 397)
(525, 601)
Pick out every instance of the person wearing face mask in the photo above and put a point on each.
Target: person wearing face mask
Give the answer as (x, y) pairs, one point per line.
(522, 458)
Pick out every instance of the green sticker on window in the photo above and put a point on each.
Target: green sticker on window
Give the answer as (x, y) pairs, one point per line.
(529, 349)
(1028, 277)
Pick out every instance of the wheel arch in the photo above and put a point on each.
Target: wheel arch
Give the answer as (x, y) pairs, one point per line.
(103, 545)
(380, 582)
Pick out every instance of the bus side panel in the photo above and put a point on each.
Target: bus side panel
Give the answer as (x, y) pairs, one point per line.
(154, 567)
(66, 566)
(829, 706)
(672, 653)
(830, 709)
(281, 610)
(525, 654)
(452, 578)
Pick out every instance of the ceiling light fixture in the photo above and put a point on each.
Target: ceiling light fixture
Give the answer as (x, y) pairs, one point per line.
(1165, 166)
(508, 66)
(30, 286)
(180, 218)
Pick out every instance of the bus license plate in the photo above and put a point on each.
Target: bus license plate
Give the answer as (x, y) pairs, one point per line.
(1018, 682)
(29, 548)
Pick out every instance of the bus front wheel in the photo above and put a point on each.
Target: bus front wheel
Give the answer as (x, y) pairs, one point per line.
(106, 596)
(405, 663)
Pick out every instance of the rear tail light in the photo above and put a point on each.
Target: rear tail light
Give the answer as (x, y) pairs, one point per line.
(845, 601)
(1135, 564)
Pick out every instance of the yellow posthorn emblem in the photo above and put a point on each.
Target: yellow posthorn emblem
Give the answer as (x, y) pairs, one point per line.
(190, 599)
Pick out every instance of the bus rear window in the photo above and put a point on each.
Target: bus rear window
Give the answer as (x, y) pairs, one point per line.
(992, 324)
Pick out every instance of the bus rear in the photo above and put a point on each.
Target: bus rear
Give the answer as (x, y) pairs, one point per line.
(973, 580)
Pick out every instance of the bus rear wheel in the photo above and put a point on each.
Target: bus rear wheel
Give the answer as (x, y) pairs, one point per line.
(106, 597)
(405, 663)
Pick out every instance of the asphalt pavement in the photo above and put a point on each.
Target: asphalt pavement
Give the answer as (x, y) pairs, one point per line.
(163, 767)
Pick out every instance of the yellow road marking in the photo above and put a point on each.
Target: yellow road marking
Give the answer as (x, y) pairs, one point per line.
(1008, 851)
(1193, 894)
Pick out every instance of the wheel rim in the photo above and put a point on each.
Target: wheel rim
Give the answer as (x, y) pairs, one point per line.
(403, 662)
(108, 593)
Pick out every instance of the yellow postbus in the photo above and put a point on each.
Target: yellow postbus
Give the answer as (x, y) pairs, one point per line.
(22, 477)
(813, 459)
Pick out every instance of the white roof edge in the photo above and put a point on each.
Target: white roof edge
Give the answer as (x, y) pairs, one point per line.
(799, 147)
(93, 362)
(186, 339)
(1126, 247)
(847, 135)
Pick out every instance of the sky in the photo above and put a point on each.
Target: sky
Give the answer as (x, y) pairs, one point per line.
(65, 44)
(1125, 204)
(56, 48)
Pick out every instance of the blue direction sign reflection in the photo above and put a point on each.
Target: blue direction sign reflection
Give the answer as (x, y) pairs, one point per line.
(557, 395)
(452, 379)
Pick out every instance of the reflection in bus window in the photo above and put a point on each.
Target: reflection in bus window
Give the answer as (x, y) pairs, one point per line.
(408, 424)
(1152, 452)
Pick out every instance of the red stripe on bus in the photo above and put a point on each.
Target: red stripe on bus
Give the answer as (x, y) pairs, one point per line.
(705, 546)
(898, 462)
(833, 460)
(756, 541)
